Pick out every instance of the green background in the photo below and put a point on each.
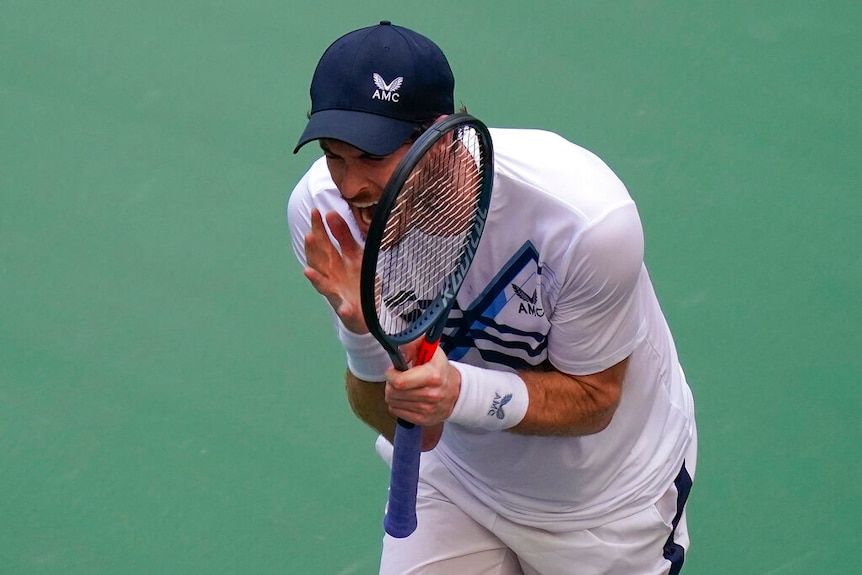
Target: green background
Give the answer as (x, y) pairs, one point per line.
(170, 389)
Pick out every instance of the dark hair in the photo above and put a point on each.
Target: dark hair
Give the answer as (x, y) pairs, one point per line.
(421, 128)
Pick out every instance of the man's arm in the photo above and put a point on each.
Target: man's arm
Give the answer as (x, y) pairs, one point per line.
(562, 404)
(367, 401)
(559, 404)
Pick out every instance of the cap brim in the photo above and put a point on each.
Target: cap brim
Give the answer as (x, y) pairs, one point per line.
(373, 134)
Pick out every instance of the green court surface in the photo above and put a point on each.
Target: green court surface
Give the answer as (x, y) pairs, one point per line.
(171, 397)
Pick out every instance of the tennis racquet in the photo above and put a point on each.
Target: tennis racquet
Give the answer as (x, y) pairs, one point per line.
(420, 244)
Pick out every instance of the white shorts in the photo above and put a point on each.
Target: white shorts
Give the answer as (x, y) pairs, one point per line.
(465, 537)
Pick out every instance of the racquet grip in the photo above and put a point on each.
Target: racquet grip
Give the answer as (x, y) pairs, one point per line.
(400, 520)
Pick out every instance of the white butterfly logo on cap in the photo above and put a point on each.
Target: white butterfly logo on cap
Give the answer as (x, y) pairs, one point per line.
(387, 92)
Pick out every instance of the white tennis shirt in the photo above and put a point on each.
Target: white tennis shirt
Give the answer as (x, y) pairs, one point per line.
(558, 276)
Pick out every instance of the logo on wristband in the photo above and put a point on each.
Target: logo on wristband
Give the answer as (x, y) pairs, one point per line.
(498, 403)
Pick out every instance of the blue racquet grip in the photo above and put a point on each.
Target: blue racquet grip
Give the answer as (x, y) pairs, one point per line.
(400, 520)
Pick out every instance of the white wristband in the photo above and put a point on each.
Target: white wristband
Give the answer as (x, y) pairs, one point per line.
(366, 358)
(489, 399)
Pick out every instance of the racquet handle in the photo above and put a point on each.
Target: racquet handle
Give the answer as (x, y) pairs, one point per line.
(400, 520)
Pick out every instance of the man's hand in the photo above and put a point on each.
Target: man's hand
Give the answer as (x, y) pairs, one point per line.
(425, 394)
(336, 275)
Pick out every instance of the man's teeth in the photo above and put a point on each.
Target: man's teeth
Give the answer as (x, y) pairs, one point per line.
(366, 210)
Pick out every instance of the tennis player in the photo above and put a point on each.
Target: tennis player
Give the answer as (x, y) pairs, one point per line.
(559, 428)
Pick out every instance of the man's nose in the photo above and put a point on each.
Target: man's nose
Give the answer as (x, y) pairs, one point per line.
(353, 183)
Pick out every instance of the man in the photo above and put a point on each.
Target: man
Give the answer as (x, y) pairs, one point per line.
(589, 467)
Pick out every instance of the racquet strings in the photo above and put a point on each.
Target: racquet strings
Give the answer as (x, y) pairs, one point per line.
(429, 228)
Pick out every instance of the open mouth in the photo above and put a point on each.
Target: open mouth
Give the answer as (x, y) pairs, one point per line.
(365, 210)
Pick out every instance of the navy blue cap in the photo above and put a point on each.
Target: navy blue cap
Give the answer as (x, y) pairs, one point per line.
(374, 86)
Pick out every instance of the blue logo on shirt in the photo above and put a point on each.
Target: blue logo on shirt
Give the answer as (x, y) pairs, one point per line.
(482, 325)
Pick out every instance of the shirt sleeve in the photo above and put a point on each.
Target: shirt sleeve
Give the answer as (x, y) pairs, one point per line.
(597, 321)
(299, 207)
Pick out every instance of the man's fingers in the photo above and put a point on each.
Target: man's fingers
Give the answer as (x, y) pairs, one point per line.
(317, 222)
(318, 280)
(341, 232)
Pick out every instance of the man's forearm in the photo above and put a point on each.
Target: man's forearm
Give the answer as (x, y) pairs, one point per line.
(562, 404)
(368, 403)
